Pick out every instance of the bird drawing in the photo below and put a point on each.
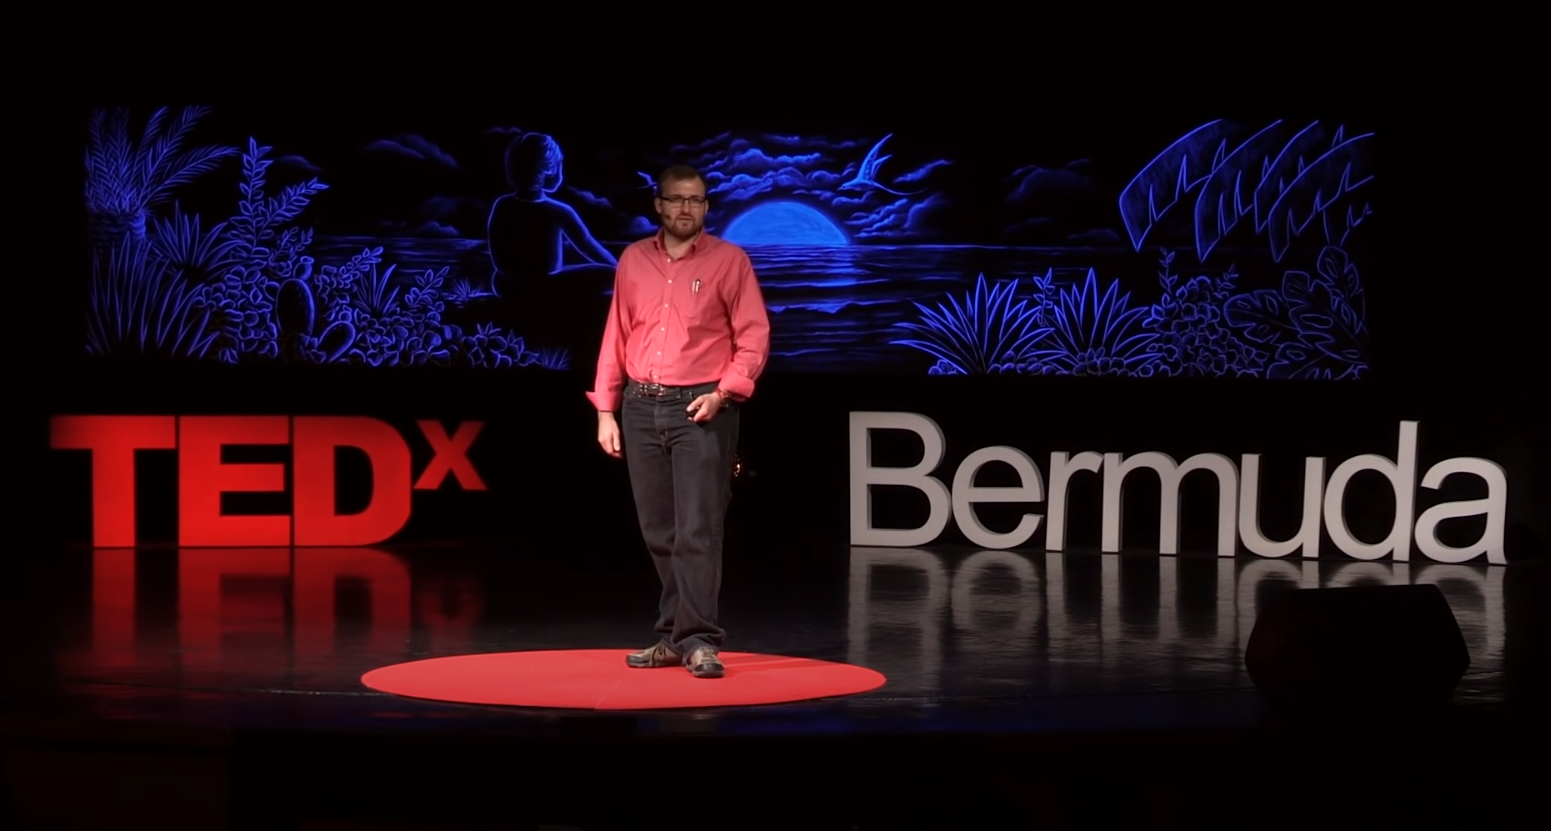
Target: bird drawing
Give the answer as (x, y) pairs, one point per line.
(867, 176)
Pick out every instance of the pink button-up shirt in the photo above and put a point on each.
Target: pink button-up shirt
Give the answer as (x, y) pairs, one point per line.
(694, 320)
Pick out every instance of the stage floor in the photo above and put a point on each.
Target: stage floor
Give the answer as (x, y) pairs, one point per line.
(998, 640)
(974, 643)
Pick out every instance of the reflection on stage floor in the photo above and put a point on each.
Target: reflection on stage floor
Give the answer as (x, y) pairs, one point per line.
(986, 640)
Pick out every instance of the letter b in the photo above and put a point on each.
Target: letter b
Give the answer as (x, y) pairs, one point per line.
(918, 476)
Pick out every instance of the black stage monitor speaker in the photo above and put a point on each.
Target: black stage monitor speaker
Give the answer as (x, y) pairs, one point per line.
(1367, 648)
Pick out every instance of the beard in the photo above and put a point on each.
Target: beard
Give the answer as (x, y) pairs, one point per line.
(682, 227)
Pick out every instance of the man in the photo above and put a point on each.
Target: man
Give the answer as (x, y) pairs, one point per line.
(687, 336)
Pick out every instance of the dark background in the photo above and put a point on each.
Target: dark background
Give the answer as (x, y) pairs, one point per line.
(1455, 337)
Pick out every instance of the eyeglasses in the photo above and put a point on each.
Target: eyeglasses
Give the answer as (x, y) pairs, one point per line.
(675, 201)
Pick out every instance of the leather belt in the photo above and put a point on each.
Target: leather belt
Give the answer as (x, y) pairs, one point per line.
(640, 390)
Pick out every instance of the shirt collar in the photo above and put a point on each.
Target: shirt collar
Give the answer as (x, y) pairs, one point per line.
(701, 241)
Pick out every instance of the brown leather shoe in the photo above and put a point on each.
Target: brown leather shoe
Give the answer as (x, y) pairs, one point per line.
(704, 663)
(654, 656)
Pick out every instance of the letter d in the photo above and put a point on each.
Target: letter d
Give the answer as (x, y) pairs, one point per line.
(1401, 474)
(314, 439)
(918, 476)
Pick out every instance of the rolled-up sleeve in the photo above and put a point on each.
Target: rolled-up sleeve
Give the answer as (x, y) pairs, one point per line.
(750, 332)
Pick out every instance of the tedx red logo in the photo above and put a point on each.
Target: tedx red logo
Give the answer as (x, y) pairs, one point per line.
(203, 476)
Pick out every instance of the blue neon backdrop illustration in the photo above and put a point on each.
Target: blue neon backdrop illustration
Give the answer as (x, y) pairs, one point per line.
(1230, 249)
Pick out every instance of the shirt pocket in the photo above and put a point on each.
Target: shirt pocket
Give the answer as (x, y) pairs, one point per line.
(700, 304)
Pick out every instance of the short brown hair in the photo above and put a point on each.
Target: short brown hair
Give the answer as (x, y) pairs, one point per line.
(680, 173)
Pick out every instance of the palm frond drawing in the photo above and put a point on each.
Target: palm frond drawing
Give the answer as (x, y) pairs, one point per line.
(126, 178)
(990, 329)
(1098, 333)
(141, 305)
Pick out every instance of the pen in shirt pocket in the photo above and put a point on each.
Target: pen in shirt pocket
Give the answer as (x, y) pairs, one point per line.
(694, 287)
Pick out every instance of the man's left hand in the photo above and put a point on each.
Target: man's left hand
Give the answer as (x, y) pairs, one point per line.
(705, 407)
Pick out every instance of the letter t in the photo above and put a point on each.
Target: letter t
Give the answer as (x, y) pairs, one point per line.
(113, 441)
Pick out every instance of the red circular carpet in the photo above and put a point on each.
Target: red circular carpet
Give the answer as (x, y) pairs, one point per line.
(597, 679)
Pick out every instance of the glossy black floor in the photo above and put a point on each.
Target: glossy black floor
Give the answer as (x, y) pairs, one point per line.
(1034, 676)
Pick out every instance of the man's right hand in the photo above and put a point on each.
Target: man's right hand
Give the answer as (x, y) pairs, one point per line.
(608, 434)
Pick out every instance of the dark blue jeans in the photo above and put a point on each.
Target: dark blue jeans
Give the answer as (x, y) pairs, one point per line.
(681, 475)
